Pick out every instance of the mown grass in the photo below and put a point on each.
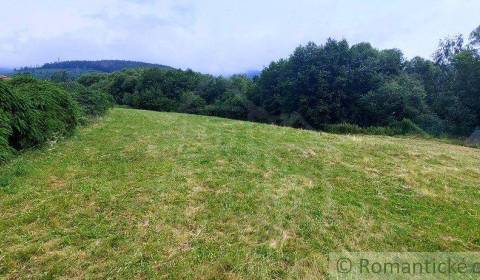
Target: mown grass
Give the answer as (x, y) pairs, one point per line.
(161, 195)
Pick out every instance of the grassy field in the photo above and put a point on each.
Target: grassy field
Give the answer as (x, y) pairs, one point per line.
(145, 194)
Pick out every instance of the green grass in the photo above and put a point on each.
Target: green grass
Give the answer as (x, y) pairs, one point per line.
(162, 195)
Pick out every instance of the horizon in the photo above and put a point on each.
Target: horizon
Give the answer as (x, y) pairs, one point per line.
(220, 38)
(10, 70)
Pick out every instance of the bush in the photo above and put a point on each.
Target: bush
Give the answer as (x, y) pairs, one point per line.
(93, 102)
(232, 105)
(5, 132)
(379, 130)
(89, 79)
(10, 107)
(40, 111)
(405, 127)
(191, 103)
(292, 120)
(347, 128)
(343, 128)
(432, 124)
(33, 112)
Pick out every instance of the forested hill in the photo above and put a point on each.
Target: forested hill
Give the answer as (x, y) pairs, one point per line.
(76, 68)
(5, 71)
(102, 65)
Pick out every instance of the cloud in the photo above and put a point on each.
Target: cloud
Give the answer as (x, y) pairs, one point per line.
(217, 36)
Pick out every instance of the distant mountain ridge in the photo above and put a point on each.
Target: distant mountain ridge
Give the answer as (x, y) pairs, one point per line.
(4, 71)
(102, 65)
(253, 73)
(76, 68)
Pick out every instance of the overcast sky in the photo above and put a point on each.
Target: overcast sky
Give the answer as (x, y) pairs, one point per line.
(219, 36)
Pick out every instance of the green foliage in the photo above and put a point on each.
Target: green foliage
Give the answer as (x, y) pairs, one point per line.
(5, 124)
(344, 128)
(432, 124)
(232, 105)
(39, 110)
(406, 127)
(180, 91)
(93, 102)
(60, 77)
(5, 132)
(401, 97)
(91, 79)
(403, 127)
(324, 84)
(33, 112)
(14, 119)
(191, 103)
(475, 37)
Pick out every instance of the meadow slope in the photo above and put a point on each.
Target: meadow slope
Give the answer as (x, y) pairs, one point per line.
(144, 194)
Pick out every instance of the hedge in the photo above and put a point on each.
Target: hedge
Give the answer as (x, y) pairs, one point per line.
(8, 105)
(33, 112)
(47, 112)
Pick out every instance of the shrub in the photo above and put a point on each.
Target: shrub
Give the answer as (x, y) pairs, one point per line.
(343, 128)
(10, 107)
(379, 130)
(295, 120)
(232, 105)
(432, 124)
(40, 111)
(5, 132)
(90, 79)
(405, 127)
(191, 103)
(33, 112)
(93, 102)
(347, 128)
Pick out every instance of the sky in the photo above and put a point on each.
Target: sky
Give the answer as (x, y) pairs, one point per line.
(219, 36)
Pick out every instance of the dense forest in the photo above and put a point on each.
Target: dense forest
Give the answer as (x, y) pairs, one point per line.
(334, 86)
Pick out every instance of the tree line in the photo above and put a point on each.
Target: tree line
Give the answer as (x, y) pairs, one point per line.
(323, 86)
